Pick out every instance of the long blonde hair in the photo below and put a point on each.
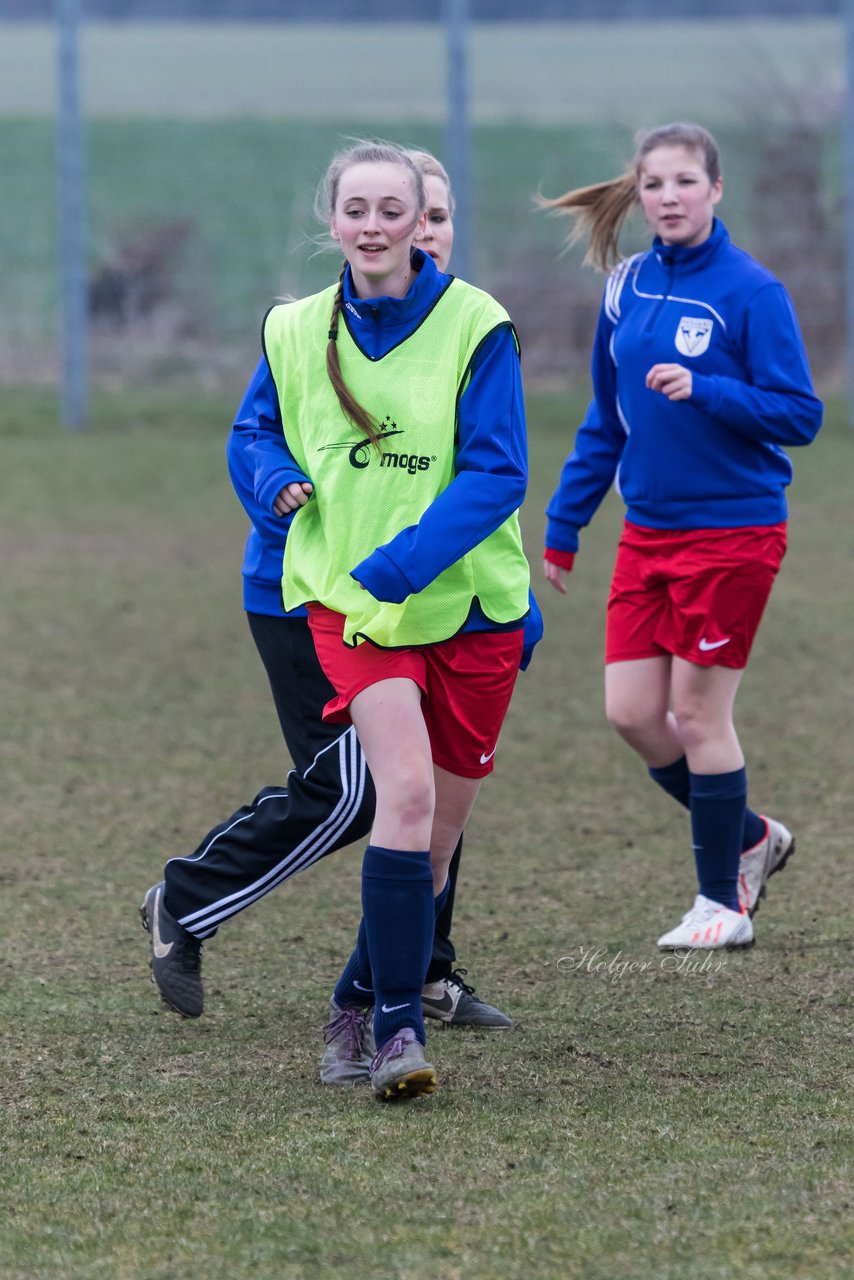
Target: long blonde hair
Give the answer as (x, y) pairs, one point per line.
(360, 152)
(599, 211)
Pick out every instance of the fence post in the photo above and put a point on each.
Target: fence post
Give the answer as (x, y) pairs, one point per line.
(849, 202)
(458, 147)
(71, 175)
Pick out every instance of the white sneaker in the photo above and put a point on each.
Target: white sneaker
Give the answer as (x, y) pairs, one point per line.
(709, 926)
(757, 864)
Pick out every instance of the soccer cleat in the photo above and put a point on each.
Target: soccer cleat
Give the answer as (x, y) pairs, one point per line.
(176, 956)
(350, 1048)
(453, 1001)
(709, 926)
(400, 1070)
(757, 864)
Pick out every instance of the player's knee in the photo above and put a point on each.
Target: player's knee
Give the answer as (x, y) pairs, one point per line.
(414, 807)
(408, 796)
(627, 717)
(696, 723)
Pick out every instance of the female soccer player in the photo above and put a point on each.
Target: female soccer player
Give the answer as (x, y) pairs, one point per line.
(402, 450)
(489, 481)
(700, 377)
(329, 799)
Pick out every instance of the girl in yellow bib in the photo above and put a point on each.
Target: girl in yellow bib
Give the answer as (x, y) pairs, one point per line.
(402, 450)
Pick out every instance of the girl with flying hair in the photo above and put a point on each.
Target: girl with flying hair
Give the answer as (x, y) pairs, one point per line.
(700, 379)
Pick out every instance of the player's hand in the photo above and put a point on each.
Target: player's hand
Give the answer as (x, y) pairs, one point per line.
(672, 380)
(293, 496)
(556, 576)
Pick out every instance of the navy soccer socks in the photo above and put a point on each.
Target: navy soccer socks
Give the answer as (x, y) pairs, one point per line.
(675, 779)
(355, 987)
(718, 804)
(399, 918)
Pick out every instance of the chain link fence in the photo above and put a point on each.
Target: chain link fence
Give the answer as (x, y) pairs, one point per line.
(205, 141)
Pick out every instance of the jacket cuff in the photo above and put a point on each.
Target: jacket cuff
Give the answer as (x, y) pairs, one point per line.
(561, 535)
(705, 392)
(563, 559)
(267, 493)
(379, 574)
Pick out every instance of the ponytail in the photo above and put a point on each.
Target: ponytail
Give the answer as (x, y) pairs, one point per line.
(599, 212)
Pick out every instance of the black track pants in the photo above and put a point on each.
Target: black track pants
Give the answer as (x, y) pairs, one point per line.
(328, 802)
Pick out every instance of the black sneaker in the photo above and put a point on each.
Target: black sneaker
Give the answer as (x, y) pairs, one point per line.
(176, 956)
(401, 1070)
(453, 1001)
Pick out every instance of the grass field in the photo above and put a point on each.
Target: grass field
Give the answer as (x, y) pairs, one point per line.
(246, 189)
(633, 1124)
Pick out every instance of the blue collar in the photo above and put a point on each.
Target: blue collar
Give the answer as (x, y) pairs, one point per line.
(695, 258)
(408, 311)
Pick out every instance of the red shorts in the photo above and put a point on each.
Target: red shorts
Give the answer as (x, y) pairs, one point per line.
(466, 684)
(698, 594)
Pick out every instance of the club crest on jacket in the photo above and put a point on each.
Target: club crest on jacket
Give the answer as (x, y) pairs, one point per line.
(693, 336)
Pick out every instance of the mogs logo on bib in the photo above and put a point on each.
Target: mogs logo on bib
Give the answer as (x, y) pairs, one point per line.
(693, 336)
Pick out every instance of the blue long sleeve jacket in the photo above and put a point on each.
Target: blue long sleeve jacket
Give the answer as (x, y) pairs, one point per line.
(712, 461)
(491, 460)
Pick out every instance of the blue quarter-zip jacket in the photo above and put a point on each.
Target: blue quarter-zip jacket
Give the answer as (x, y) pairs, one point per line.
(715, 460)
(491, 461)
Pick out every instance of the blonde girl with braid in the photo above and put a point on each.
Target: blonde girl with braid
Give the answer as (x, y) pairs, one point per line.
(700, 381)
(328, 800)
(401, 459)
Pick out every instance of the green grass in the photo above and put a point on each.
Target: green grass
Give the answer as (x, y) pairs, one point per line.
(244, 188)
(666, 1124)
